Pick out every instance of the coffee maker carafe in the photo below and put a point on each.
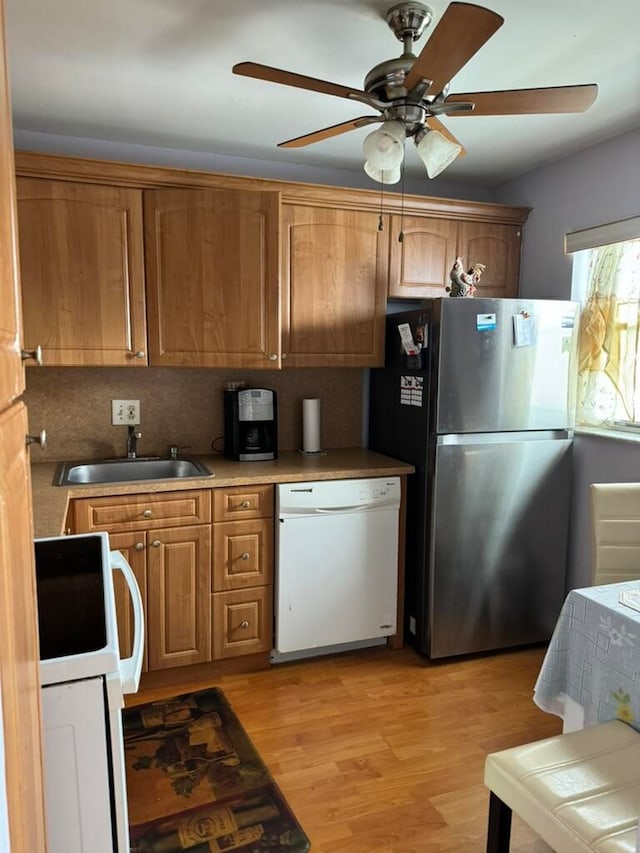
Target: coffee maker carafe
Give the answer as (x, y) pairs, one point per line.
(250, 424)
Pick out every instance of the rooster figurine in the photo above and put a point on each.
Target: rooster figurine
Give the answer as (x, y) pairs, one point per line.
(464, 283)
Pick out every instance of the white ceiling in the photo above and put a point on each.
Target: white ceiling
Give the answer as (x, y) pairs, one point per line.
(158, 72)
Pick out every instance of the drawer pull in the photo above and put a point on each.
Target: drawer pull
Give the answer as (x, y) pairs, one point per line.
(245, 504)
(156, 543)
(245, 556)
(32, 355)
(139, 546)
(147, 513)
(40, 438)
(244, 624)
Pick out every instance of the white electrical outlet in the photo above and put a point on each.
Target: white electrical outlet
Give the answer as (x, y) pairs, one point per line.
(125, 412)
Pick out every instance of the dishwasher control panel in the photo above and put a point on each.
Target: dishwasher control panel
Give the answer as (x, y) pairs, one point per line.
(337, 495)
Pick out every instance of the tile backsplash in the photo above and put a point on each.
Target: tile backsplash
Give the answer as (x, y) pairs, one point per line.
(182, 406)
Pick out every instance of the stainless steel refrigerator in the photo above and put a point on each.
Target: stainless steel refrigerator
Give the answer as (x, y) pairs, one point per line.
(478, 395)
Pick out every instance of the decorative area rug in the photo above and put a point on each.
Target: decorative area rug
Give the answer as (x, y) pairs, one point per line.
(196, 782)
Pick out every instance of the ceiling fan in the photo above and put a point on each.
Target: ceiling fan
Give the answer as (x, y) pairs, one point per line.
(411, 92)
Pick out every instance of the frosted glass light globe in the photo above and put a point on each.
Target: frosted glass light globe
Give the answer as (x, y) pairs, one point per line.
(384, 148)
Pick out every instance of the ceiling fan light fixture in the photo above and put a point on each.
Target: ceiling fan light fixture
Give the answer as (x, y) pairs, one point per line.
(384, 148)
(436, 151)
(383, 176)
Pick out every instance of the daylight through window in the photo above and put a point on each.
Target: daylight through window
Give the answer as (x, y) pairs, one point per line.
(609, 351)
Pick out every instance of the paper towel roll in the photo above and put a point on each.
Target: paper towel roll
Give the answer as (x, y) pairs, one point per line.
(311, 425)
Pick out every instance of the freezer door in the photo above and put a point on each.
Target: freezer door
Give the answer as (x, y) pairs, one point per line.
(498, 542)
(504, 364)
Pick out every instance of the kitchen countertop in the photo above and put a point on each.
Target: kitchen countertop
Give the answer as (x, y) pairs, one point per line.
(50, 502)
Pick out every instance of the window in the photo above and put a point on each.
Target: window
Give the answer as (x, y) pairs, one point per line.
(607, 282)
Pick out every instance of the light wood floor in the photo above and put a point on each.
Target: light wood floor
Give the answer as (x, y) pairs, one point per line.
(382, 751)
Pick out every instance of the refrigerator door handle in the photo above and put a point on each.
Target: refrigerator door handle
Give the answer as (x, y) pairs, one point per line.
(503, 437)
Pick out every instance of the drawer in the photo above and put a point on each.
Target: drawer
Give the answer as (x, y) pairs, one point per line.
(242, 622)
(242, 554)
(243, 502)
(139, 512)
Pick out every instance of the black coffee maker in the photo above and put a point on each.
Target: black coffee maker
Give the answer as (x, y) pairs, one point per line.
(250, 424)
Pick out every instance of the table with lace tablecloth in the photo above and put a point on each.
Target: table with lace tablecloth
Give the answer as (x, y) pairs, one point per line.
(591, 671)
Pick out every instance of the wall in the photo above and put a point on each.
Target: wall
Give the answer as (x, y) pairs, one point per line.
(182, 406)
(592, 187)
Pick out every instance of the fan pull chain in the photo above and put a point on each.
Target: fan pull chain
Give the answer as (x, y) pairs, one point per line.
(401, 234)
(380, 220)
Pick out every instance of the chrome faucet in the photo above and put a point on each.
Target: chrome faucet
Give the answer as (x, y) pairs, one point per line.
(132, 439)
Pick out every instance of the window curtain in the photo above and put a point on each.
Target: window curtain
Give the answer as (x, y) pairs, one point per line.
(608, 368)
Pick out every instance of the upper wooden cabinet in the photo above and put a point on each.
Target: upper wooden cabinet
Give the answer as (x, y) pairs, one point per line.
(212, 277)
(421, 253)
(81, 264)
(498, 248)
(334, 287)
(420, 263)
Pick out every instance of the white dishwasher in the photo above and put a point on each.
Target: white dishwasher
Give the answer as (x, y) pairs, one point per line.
(336, 565)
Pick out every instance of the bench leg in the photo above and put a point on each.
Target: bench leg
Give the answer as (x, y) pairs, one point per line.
(499, 829)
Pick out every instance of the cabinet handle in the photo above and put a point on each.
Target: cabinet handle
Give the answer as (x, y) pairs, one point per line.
(245, 556)
(147, 513)
(283, 356)
(156, 543)
(139, 546)
(32, 355)
(139, 354)
(273, 356)
(40, 439)
(245, 505)
(244, 624)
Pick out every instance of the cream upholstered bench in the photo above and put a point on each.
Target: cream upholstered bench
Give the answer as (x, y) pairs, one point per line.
(578, 791)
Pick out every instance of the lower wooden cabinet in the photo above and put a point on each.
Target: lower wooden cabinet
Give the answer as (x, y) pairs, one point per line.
(242, 601)
(179, 587)
(166, 538)
(207, 589)
(242, 622)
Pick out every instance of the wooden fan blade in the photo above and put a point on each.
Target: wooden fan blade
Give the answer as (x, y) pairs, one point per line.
(436, 124)
(554, 99)
(460, 33)
(288, 78)
(328, 132)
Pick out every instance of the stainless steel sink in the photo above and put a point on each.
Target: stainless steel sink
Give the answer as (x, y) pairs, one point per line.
(128, 470)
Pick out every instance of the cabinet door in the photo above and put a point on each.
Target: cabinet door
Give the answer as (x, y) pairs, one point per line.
(334, 284)
(243, 622)
(133, 547)
(242, 554)
(419, 264)
(212, 259)
(178, 599)
(19, 652)
(498, 248)
(81, 264)
(139, 512)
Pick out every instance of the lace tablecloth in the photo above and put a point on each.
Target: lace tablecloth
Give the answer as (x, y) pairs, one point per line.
(594, 657)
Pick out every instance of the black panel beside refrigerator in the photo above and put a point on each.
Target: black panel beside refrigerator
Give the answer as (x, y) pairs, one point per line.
(484, 412)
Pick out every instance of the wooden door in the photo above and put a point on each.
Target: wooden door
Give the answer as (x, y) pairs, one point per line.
(81, 262)
(21, 779)
(420, 262)
(133, 547)
(212, 259)
(178, 596)
(334, 284)
(498, 248)
(19, 651)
